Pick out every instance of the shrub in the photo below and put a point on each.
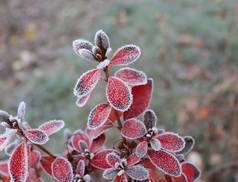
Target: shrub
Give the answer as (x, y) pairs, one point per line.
(144, 152)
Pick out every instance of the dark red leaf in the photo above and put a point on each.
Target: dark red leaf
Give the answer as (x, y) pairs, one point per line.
(99, 115)
(139, 104)
(18, 163)
(165, 162)
(118, 94)
(97, 143)
(46, 163)
(36, 136)
(141, 149)
(133, 129)
(62, 170)
(121, 178)
(181, 178)
(99, 160)
(171, 141)
(131, 76)
(190, 171)
(94, 133)
(52, 127)
(87, 82)
(126, 55)
(77, 136)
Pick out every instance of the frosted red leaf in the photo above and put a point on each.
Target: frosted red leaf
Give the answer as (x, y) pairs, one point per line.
(62, 170)
(80, 168)
(165, 162)
(126, 55)
(87, 82)
(34, 157)
(137, 172)
(150, 119)
(189, 143)
(112, 159)
(133, 129)
(18, 164)
(132, 159)
(77, 136)
(131, 76)
(121, 178)
(110, 174)
(171, 141)
(94, 133)
(141, 149)
(99, 160)
(98, 115)
(101, 40)
(4, 168)
(52, 126)
(36, 136)
(139, 104)
(112, 117)
(4, 140)
(98, 143)
(81, 44)
(181, 178)
(46, 163)
(190, 171)
(118, 94)
(81, 101)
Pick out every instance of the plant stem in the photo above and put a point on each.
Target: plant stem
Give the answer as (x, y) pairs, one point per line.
(118, 119)
(44, 150)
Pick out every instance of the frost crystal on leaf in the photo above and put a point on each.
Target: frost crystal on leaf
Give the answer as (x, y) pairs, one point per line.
(131, 76)
(86, 54)
(141, 149)
(98, 116)
(118, 94)
(18, 164)
(81, 101)
(150, 119)
(126, 55)
(21, 111)
(165, 162)
(133, 129)
(137, 172)
(87, 82)
(171, 141)
(62, 170)
(36, 136)
(101, 40)
(81, 44)
(52, 126)
(189, 143)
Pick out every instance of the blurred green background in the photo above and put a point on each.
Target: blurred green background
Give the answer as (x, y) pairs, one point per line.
(189, 48)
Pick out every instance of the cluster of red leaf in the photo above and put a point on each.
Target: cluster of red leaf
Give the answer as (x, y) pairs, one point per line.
(144, 151)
